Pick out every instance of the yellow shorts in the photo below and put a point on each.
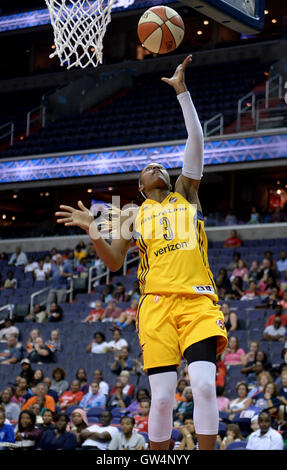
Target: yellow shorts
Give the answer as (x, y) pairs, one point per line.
(168, 325)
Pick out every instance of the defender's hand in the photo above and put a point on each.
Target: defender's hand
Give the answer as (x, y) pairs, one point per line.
(177, 81)
(81, 218)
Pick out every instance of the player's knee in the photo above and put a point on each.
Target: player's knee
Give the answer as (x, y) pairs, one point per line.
(162, 401)
(203, 388)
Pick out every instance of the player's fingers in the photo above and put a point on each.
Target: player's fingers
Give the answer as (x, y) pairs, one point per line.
(67, 208)
(63, 214)
(81, 206)
(186, 61)
(166, 80)
(63, 221)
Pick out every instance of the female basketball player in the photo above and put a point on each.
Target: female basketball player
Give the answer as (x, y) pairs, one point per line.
(178, 313)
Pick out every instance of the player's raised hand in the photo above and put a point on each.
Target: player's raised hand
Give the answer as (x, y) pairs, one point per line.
(177, 81)
(81, 217)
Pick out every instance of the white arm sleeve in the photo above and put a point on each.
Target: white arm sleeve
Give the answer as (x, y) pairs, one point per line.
(193, 152)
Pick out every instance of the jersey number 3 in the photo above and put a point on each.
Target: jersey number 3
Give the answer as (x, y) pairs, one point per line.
(168, 235)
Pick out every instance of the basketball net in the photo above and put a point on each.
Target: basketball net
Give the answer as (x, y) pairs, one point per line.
(79, 28)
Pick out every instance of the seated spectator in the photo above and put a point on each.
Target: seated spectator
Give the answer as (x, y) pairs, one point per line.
(98, 345)
(278, 313)
(134, 294)
(233, 263)
(38, 314)
(107, 294)
(118, 399)
(54, 343)
(41, 392)
(41, 354)
(252, 372)
(81, 376)
(282, 395)
(283, 303)
(38, 378)
(268, 398)
(266, 271)
(223, 284)
(95, 314)
(12, 410)
(275, 332)
(27, 434)
(23, 391)
(282, 262)
(274, 297)
(185, 406)
(117, 342)
(18, 396)
(222, 401)
(112, 312)
(181, 384)
(58, 438)
(234, 241)
(94, 398)
(48, 382)
(233, 355)
(6, 432)
(254, 216)
(37, 408)
(18, 258)
(265, 438)
(122, 361)
(120, 293)
(54, 313)
(39, 272)
(9, 329)
(9, 352)
(230, 218)
(78, 423)
(141, 420)
(262, 379)
(31, 265)
(35, 333)
(10, 281)
(47, 263)
(47, 416)
(253, 271)
(59, 384)
(250, 356)
(278, 215)
(27, 371)
(230, 318)
(134, 408)
(241, 270)
(236, 291)
(72, 396)
(129, 388)
(127, 439)
(242, 402)
(189, 439)
(128, 316)
(58, 276)
(80, 251)
(233, 434)
(98, 437)
(252, 292)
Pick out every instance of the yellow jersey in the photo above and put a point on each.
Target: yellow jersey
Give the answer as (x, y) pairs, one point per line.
(173, 248)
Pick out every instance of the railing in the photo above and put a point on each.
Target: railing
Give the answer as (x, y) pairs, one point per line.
(244, 107)
(274, 117)
(40, 117)
(39, 292)
(9, 133)
(93, 279)
(126, 262)
(273, 84)
(8, 307)
(216, 128)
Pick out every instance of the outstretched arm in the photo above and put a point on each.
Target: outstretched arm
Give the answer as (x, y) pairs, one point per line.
(112, 255)
(188, 182)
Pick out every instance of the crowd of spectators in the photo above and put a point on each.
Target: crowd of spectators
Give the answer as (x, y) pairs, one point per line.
(255, 216)
(49, 412)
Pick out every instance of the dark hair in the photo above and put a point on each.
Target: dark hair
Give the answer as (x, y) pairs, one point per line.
(239, 385)
(62, 415)
(219, 390)
(32, 417)
(127, 417)
(61, 370)
(187, 416)
(143, 389)
(147, 400)
(101, 334)
(263, 412)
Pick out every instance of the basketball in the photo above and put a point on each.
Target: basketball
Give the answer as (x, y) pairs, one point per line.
(160, 29)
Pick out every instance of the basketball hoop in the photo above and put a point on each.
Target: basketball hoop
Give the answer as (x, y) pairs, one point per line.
(79, 28)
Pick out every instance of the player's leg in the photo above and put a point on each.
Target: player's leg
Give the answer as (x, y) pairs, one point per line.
(163, 381)
(201, 359)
